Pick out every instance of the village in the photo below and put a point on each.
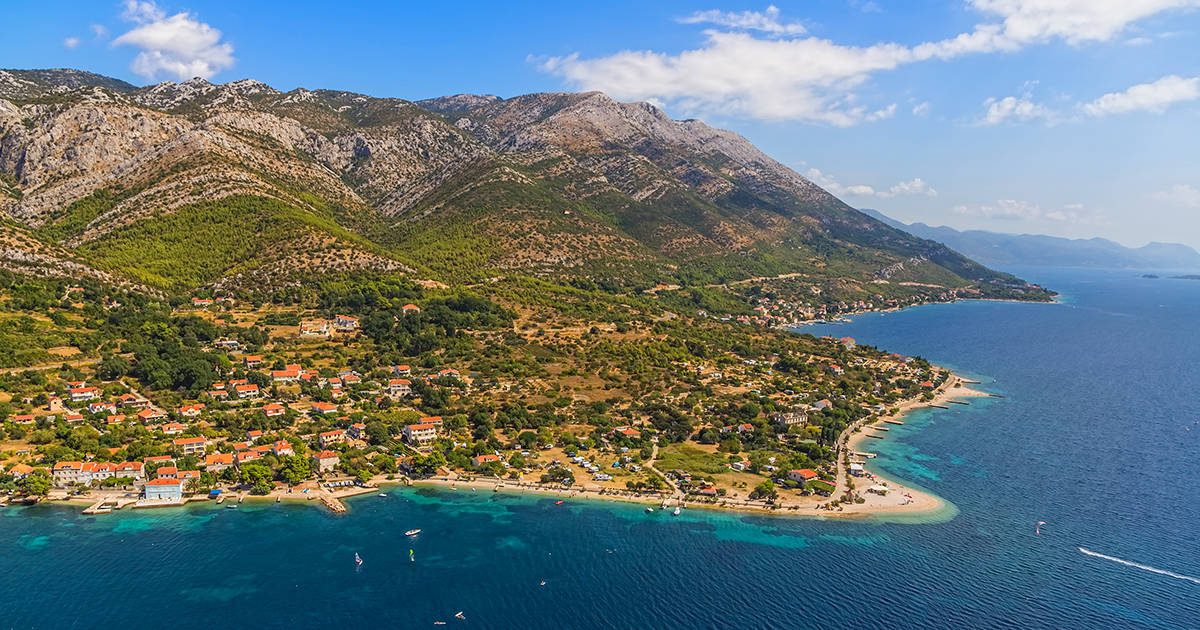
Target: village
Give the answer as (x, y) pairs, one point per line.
(290, 420)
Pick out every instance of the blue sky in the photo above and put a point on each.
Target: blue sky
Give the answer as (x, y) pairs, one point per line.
(1066, 117)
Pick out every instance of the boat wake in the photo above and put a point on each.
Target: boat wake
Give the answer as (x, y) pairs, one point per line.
(1143, 567)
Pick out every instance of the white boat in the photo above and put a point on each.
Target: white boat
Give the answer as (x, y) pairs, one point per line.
(383, 494)
(357, 559)
(677, 511)
(649, 509)
(412, 532)
(460, 615)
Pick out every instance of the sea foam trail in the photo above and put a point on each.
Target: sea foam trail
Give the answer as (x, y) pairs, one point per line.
(1143, 567)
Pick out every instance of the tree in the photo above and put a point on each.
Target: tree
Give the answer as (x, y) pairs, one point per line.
(765, 490)
(295, 469)
(36, 483)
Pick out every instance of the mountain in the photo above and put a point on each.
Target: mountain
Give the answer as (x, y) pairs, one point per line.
(994, 248)
(240, 186)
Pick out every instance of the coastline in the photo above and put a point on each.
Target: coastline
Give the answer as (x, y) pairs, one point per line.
(903, 501)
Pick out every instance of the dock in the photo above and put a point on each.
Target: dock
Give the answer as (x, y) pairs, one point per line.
(877, 437)
(104, 506)
(894, 422)
(881, 428)
(334, 505)
(865, 454)
(939, 406)
(995, 395)
(958, 402)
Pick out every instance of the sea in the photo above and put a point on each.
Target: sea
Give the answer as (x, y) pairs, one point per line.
(1095, 433)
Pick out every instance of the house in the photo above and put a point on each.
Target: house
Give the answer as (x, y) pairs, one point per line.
(857, 470)
(82, 394)
(822, 405)
(325, 460)
(337, 436)
(65, 473)
(218, 394)
(150, 415)
(116, 418)
(345, 323)
(167, 490)
(247, 391)
(132, 400)
(160, 460)
(740, 466)
(314, 328)
(188, 477)
(25, 418)
(172, 428)
(488, 458)
(927, 384)
(628, 432)
(434, 420)
(247, 456)
(281, 448)
(401, 370)
(190, 445)
(252, 360)
(199, 302)
(324, 408)
(802, 475)
(420, 434)
(101, 407)
(20, 471)
(848, 342)
(191, 411)
(273, 410)
(166, 472)
(357, 431)
(227, 344)
(289, 374)
(790, 419)
(253, 434)
(410, 309)
(399, 387)
(73, 418)
(133, 470)
(836, 369)
(745, 427)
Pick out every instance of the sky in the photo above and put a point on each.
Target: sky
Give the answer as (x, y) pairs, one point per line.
(1075, 118)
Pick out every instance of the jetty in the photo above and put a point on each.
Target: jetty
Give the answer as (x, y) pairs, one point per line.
(865, 454)
(894, 422)
(104, 506)
(877, 437)
(939, 406)
(881, 428)
(958, 402)
(334, 504)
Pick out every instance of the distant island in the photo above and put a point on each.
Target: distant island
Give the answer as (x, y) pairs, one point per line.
(994, 248)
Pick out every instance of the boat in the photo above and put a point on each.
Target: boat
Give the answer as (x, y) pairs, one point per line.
(383, 494)
(649, 509)
(231, 506)
(410, 556)
(558, 502)
(460, 615)
(677, 511)
(357, 560)
(439, 623)
(412, 532)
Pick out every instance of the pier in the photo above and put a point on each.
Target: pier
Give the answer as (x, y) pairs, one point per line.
(939, 406)
(958, 402)
(894, 422)
(877, 437)
(334, 504)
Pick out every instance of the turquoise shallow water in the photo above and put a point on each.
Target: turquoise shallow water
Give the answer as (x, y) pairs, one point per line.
(1092, 437)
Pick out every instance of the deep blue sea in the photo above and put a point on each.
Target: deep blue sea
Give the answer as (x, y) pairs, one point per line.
(1097, 435)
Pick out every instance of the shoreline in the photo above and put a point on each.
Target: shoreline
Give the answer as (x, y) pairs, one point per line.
(903, 502)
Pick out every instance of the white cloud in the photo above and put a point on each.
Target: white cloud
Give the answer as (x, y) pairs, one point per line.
(786, 76)
(1017, 210)
(100, 31)
(766, 21)
(921, 109)
(1075, 21)
(71, 42)
(1151, 97)
(912, 187)
(1013, 108)
(178, 45)
(1183, 195)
